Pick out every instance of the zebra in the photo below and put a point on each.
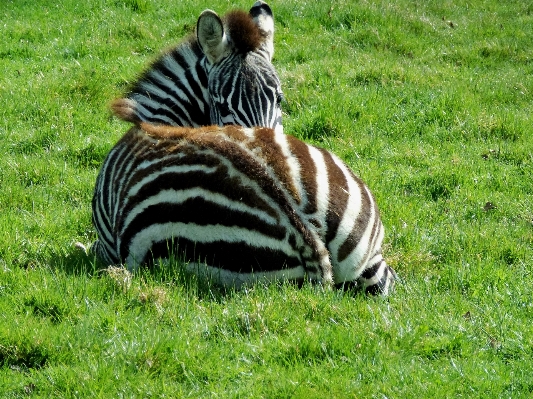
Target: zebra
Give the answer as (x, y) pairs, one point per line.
(296, 210)
(221, 75)
(239, 205)
(225, 70)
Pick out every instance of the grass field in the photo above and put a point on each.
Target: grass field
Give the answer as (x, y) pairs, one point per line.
(429, 102)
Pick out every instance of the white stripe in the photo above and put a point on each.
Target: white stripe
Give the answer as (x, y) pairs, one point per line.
(177, 197)
(291, 161)
(322, 190)
(248, 132)
(356, 262)
(353, 207)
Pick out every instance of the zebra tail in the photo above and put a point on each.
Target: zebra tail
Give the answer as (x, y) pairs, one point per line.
(126, 109)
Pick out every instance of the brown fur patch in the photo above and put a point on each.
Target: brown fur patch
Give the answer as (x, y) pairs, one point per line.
(243, 31)
(201, 136)
(124, 109)
(272, 154)
(307, 172)
(234, 132)
(160, 132)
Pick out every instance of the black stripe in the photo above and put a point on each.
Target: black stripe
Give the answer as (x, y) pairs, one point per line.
(371, 271)
(200, 212)
(338, 195)
(360, 224)
(379, 287)
(235, 257)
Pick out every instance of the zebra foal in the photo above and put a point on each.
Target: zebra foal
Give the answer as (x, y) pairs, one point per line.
(240, 204)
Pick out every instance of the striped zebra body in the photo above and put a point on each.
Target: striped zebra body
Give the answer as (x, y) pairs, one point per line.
(221, 75)
(172, 91)
(240, 204)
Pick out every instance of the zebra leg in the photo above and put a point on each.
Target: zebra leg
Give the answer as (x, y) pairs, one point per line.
(378, 277)
(99, 250)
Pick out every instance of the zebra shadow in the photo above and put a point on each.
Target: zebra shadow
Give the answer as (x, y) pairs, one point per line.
(171, 272)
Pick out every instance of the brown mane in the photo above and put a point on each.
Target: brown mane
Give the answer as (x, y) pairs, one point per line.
(243, 31)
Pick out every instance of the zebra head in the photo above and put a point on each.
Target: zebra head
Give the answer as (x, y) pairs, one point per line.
(227, 78)
(243, 86)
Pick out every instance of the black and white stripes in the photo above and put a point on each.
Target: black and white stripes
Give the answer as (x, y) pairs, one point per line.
(222, 75)
(240, 204)
(172, 91)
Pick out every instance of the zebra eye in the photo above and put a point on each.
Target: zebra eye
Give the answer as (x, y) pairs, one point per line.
(223, 107)
(279, 98)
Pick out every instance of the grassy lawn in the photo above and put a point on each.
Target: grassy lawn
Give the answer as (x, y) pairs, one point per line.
(429, 102)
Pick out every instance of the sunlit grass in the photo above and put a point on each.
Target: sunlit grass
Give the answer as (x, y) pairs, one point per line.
(430, 103)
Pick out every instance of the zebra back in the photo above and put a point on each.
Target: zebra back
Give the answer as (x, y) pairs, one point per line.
(221, 75)
(172, 91)
(240, 204)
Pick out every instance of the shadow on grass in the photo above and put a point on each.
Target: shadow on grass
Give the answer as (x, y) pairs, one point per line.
(170, 271)
(76, 262)
(173, 272)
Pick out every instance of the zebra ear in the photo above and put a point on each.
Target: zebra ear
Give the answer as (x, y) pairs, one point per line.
(264, 19)
(211, 36)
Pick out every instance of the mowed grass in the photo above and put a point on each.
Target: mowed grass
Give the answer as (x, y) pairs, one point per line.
(429, 102)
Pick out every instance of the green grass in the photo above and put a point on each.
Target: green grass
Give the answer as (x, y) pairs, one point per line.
(429, 102)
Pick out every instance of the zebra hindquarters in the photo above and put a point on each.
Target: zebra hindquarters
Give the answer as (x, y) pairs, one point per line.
(202, 196)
